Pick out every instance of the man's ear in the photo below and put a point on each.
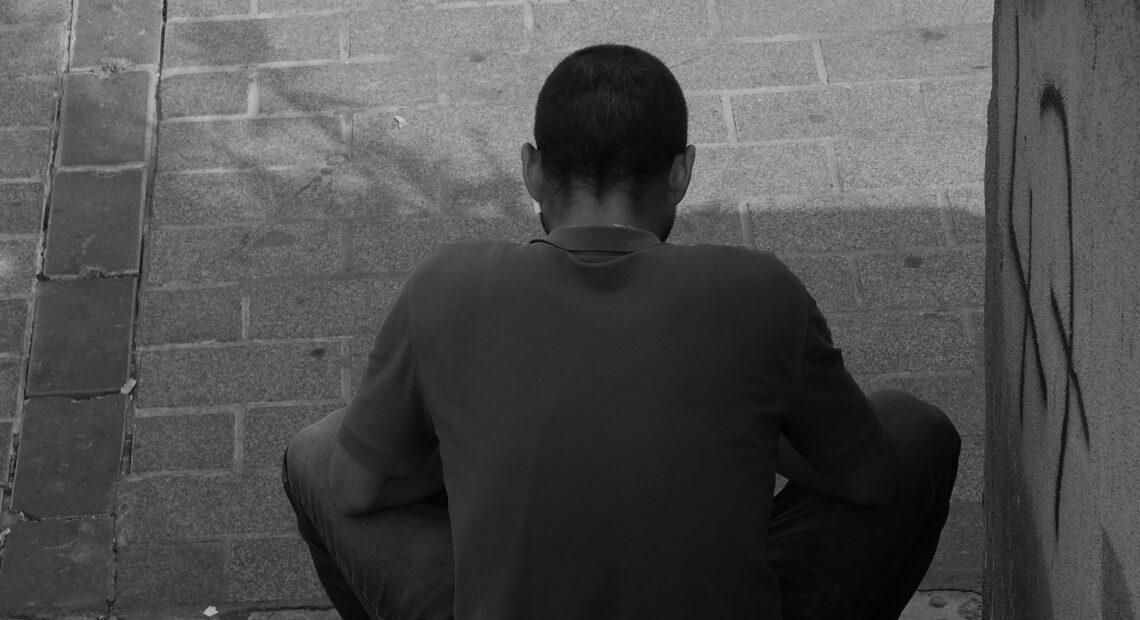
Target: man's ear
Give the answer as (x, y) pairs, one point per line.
(681, 173)
(532, 174)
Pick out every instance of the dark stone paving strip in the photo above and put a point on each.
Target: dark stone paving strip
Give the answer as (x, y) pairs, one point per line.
(104, 119)
(81, 343)
(94, 224)
(69, 457)
(62, 566)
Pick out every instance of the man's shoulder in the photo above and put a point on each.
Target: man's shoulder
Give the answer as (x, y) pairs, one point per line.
(457, 260)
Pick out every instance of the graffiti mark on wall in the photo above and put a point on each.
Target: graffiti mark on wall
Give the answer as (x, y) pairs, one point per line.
(1043, 262)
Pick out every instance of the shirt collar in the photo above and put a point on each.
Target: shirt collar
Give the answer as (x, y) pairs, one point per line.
(601, 238)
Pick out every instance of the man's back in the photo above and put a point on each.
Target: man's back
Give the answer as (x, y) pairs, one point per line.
(607, 409)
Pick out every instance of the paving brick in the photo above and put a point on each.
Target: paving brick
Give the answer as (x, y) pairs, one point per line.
(204, 94)
(269, 429)
(57, 566)
(948, 13)
(377, 135)
(578, 24)
(901, 342)
(17, 266)
(194, 506)
(912, 280)
(962, 397)
(911, 54)
(104, 119)
(833, 111)
(25, 153)
(410, 30)
(497, 78)
(82, 339)
(246, 143)
(117, 29)
(11, 378)
(190, 315)
(359, 188)
(32, 11)
(27, 103)
(398, 244)
(251, 41)
(13, 323)
(21, 208)
(716, 224)
(486, 188)
(157, 575)
(784, 17)
(844, 223)
(279, 6)
(268, 569)
(957, 105)
(320, 308)
(706, 119)
(343, 86)
(243, 252)
(69, 456)
(971, 465)
(95, 223)
(828, 279)
(206, 8)
(31, 51)
(918, 161)
(494, 132)
(958, 561)
(239, 373)
(719, 65)
(968, 212)
(183, 442)
(731, 174)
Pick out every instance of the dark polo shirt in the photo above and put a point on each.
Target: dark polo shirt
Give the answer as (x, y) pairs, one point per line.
(607, 407)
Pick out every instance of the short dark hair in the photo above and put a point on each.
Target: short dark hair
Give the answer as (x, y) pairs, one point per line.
(608, 116)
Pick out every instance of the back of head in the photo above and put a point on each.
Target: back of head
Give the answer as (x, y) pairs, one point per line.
(610, 117)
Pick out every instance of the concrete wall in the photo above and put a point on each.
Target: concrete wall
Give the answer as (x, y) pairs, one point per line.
(1063, 311)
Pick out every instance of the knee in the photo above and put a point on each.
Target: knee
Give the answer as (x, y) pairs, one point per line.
(911, 421)
(307, 452)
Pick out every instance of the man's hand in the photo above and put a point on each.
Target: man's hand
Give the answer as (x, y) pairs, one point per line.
(870, 484)
(359, 490)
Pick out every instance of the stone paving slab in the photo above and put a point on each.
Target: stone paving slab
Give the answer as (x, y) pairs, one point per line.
(104, 118)
(83, 342)
(57, 567)
(69, 457)
(95, 223)
(117, 31)
(21, 208)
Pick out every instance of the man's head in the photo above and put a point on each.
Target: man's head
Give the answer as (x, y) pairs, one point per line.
(611, 132)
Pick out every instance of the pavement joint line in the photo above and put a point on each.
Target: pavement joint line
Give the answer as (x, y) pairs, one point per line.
(859, 34)
(926, 250)
(833, 167)
(252, 283)
(231, 408)
(946, 311)
(104, 168)
(239, 441)
(820, 64)
(856, 281)
(960, 373)
(197, 346)
(103, 71)
(746, 225)
(253, 92)
(947, 218)
(346, 372)
(20, 180)
(729, 118)
(25, 129)
(245, 319)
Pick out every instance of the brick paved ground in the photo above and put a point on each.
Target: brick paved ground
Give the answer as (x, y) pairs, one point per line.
(281, 202)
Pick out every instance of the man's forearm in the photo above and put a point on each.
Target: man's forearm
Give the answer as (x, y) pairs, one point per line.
(403, 490)
(793, 466)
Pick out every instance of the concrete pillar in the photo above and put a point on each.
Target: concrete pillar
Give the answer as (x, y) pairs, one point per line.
(1063, 311)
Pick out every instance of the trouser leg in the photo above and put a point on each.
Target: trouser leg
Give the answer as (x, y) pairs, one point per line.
(394, 564)
(835, 559)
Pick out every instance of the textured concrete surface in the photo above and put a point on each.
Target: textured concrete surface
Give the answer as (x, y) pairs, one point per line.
(1063, 311)
(299, 157)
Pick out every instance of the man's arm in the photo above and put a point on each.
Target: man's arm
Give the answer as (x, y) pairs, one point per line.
(871, 484)
(359, 490)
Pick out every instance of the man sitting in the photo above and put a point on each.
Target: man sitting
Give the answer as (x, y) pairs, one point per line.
(607, 412)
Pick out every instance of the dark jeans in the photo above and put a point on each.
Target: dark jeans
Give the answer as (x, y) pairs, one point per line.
(833, 559)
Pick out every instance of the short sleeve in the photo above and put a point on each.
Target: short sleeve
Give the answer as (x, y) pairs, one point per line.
(833, 424)
(387, 426)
